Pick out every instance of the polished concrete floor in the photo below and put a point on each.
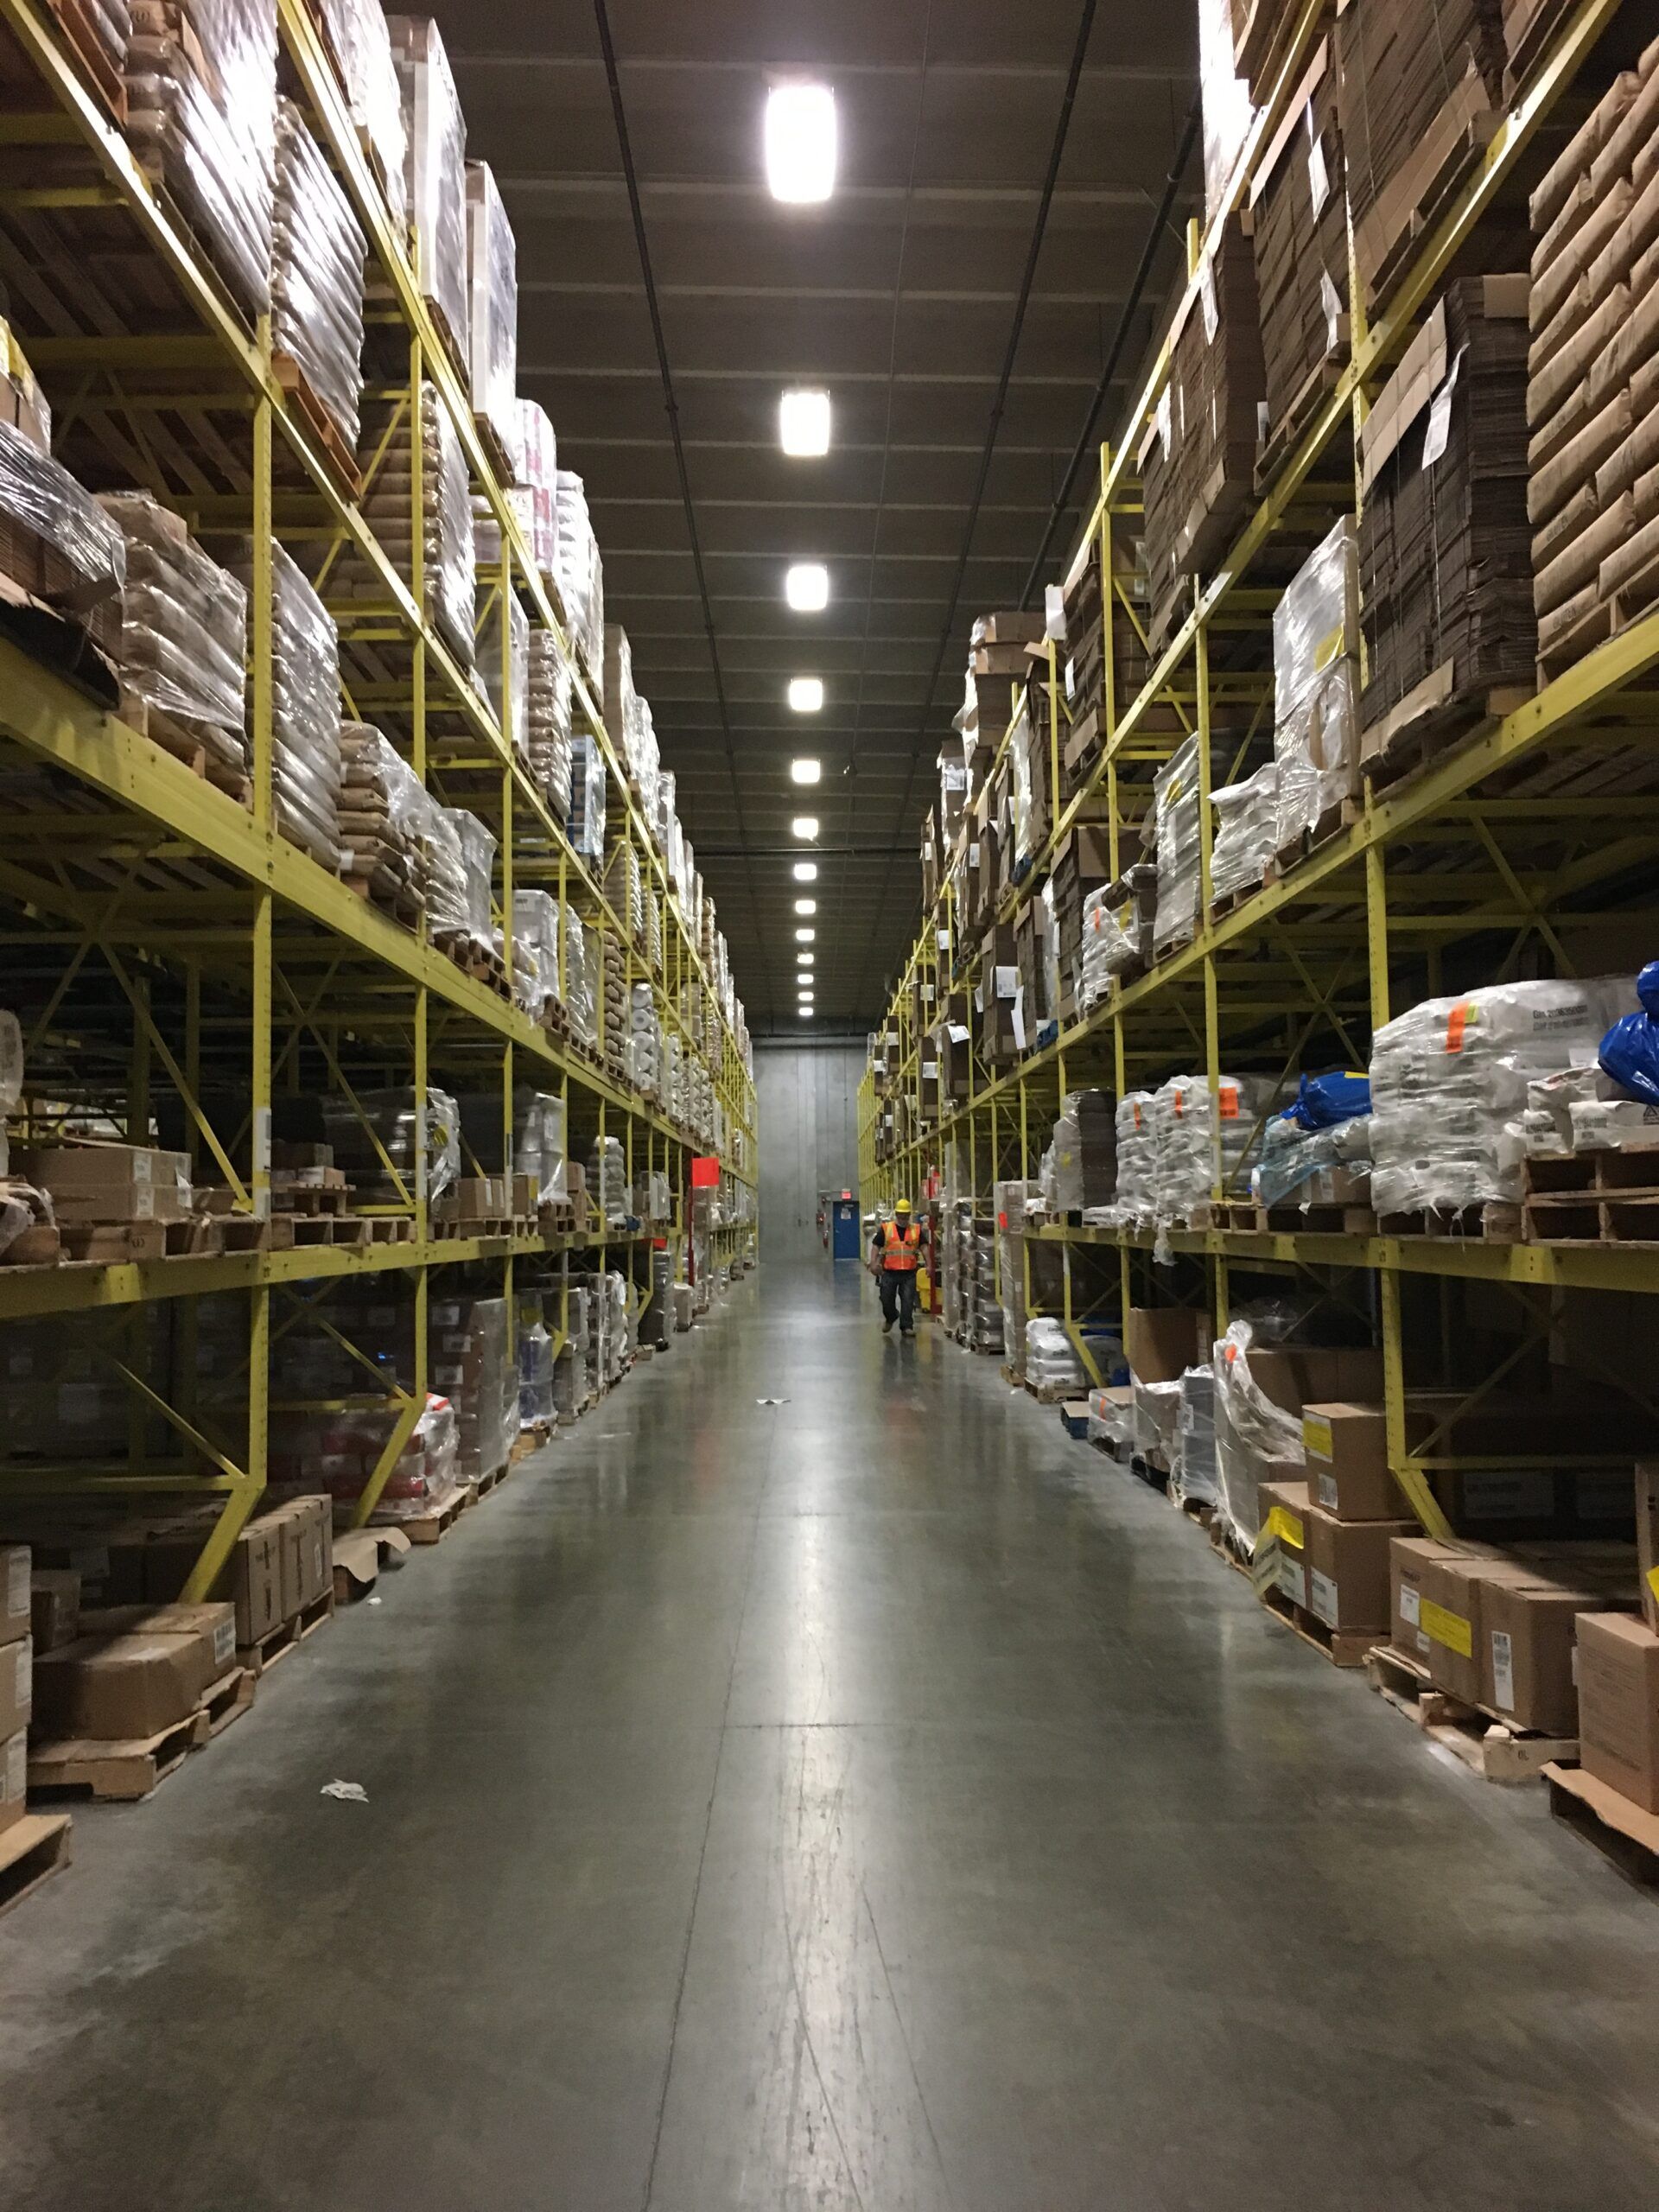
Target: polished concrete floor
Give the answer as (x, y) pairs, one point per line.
(871, 1801)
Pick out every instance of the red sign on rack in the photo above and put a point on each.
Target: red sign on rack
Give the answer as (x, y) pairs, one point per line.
(705, 1173)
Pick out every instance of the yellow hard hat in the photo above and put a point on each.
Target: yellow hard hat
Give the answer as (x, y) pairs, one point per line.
(903, 1207)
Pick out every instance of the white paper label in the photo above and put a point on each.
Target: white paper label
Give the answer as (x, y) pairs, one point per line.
(1410, 1604)
(17, 1583)
(1207, 300)
(1439, 414)
(1503, 1671)
(1328, 1492)
(1324, 1598)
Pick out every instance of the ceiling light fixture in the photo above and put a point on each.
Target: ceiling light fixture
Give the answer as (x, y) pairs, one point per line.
(805, 871)
(803, 424)
(805, 771)
(800, 142)
(806, 905)
(806, 695)
(806, 587)
(805, 826)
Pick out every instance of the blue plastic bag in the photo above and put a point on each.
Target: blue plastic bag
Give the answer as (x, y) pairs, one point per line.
(1324, 1100)
(1630, 1050)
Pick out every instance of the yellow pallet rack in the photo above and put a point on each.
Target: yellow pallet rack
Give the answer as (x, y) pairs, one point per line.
(1436, 858)
(228, 962)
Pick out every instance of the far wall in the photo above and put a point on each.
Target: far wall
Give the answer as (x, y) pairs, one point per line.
(807, 1099)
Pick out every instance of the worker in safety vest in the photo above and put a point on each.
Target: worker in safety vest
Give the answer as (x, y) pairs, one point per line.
(895, 1254)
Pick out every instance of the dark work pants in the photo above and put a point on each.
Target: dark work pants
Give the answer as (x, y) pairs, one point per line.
(899, 1297)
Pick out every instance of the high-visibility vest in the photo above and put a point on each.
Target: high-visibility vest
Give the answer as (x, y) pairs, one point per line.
(901, 1248)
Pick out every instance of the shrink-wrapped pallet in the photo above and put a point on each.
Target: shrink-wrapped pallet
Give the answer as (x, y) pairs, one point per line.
(548, 721)
(492, 320)
(385, 815)
(1316, 690)
(446, 518)
(317, 256)
(1450, 1081)
(435, 172)
(362, 44)
(178, 634)
(305, 707)
(202, 112)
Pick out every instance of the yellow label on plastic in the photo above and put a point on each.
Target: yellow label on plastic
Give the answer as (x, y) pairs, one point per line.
(1316, 1437)
(1285, 1525)
(1449, 1629)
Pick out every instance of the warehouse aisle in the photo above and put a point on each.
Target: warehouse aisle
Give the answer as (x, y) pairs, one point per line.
(871, 1801)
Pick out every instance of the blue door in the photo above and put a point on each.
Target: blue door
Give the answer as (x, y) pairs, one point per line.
(846, 1244)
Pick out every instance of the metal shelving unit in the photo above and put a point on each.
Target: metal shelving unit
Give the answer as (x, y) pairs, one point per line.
(1305, 967)
(181, 953)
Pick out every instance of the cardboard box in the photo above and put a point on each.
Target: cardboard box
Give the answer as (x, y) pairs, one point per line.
(17, 1686)
(1161, 1342)
(1618, 1704)
(54, 1607)
(15, 1619)
(93, 1183)
(1346, 1447)
(1347, 1565)
(1647, 1539)
(1281, 1549)
(135, 1672)
(14, 1779)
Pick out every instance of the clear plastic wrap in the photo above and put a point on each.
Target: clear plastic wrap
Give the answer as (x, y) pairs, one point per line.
(394, 1118)
(511, 704)
(318, 257)
(587, 797)
(202, 110)
(1449, 1087)
(493, 323)
(436, 168)
(305, 707)
(1247, 831)
(547, 716)
(1175, 818)
(178, 636)
(362, 44)
(78, 558)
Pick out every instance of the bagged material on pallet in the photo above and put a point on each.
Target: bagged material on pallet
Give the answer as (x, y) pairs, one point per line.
(357, 30)
(202, 115)
(587, 797)
(55, 539)
(1175, 828)
(435, 171)
(385, 822)
(177, 635)
(493, 318)
(1247, 831)
(1316, 689)
(305, 707)
(318, 255)
(446, 520)
(547, 720)
(1450, 1081)
(394, 1118)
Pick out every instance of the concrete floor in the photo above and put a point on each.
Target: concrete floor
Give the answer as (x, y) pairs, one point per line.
(876, 1801)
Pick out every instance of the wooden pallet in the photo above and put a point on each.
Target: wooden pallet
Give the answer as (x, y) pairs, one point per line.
(32, 1851)
(326, 434)
(259, 1658)
(126, 1772)
(1489, 1745)
(1342, 1646)
(1618, 1829)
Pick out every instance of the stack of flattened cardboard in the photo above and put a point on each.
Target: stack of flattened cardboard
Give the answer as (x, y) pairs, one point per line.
(1444, 556)
(1301, 251)
(1198, 454)
(1593, 392)
(1421, 87)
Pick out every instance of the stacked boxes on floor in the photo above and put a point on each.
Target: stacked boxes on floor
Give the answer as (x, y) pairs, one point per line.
(1593, 392)
(1445, 552)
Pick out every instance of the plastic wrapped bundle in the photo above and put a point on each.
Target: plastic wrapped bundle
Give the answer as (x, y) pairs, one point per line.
(305, 708)
(1449, 1085)
(318, 257)
(178, 635)
(509, 702)
(493, 319)
(57, 541)
(536, 1377)
(385, 815)
(1316, 689)
(548, 720)
(201, 114)
(535, 953)
(1246, 831)
(435, 171)
(393, 1126)
(587, 819)
(1175, 814)
(357, 30)
(447, 544)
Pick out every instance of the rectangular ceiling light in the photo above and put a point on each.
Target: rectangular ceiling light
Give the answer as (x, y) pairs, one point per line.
(805, 771)
(806, 587)
(806, 694)
(803, 423)
(800, 139)
(805, 871)
(805, 826)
